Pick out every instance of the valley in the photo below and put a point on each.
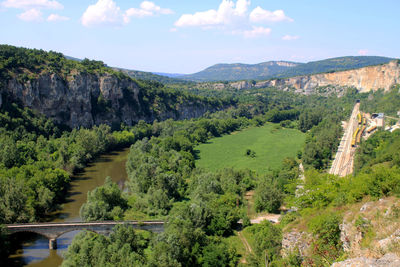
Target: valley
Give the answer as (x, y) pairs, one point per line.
(215, 170)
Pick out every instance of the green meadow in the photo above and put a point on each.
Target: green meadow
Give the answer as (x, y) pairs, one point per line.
(269, 143)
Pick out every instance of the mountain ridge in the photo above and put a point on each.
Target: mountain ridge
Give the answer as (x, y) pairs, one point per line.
(369, 78)
(281, 69)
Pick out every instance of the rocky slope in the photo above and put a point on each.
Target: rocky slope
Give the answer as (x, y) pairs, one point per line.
(364, 79)
(83, 99)
(369, 234)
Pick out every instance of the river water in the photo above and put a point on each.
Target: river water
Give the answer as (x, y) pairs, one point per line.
(34, 250)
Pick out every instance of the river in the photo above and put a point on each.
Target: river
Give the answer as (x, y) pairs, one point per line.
(34, 250)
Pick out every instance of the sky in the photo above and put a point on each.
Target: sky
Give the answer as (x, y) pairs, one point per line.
(186, 36)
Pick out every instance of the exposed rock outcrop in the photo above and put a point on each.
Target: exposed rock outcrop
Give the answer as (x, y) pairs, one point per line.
(388, 260)
(295, 241)
(365, 79)
(83, 99)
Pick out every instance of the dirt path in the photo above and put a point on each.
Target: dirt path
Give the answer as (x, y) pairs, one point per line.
(274, 218)
(245, 243)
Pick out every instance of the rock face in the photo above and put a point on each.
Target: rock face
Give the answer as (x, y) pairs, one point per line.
(388, 260)
(295, 241)
(83, 99)
(365, 79)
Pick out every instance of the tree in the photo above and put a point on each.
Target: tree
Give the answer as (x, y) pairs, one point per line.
(103, 203)
(268, 196)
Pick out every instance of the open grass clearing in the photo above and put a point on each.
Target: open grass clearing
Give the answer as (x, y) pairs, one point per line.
(269, 145)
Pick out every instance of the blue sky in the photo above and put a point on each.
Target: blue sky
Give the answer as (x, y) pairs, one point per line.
(186, 36)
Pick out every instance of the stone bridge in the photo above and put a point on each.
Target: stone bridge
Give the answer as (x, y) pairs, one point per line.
(53, 230)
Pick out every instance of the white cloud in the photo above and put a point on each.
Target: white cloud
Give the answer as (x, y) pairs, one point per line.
(147, 9)
(151, 7)
(363, 52)
(234, 18)
(56, 17)
(29, 4)
(226, 14)
(31, 15)
(261, 15)
(290, 37)
(33, 9)
(106, 12)
(256, 32)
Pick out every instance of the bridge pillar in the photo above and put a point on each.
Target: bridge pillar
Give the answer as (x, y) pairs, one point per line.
(53, 243)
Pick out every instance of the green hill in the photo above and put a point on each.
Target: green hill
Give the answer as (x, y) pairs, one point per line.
(280, 69)
(164, 78)
(238, 71)
(143, 75)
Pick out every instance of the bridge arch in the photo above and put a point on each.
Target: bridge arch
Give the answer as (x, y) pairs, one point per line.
(33, 231)
(72, 230)
(54, 230)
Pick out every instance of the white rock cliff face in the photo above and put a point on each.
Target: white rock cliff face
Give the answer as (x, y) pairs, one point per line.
(91, 99)
(364, 79)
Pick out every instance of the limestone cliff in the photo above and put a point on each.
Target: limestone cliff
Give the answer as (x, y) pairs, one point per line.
(364, 79)
(84, 99)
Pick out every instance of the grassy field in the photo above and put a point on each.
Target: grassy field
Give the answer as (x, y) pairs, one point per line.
(271, 146)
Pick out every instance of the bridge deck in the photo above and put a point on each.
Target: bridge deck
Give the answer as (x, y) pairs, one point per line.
(74, 224)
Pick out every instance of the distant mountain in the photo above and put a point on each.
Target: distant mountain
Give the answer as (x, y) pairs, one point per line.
(171, 75)
(165, 78)
(333, 64)
(276, 69)
(238, 71)
(142, 75)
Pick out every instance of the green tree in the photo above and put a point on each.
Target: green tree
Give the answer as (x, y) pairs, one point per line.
(103, 203)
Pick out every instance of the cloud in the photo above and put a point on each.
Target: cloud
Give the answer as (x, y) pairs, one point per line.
(31, 15)
(363, 52)
(103, 12)
(151, 7)
(106, 12)
(147, 9)
(30, 4)
(226, 14)
(56, 17)
(261, 15)
(233, 18)
(256, 32)
(33, 9)
(290, 37)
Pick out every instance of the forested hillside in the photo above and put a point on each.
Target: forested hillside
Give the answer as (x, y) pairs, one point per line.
(142, 75)
(88, 93)
(238, 71)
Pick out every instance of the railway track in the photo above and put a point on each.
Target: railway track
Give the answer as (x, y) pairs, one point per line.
(343, 163)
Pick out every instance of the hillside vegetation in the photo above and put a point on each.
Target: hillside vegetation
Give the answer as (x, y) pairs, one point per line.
(142, 75)
(238, 71)
(87, 93)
